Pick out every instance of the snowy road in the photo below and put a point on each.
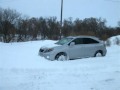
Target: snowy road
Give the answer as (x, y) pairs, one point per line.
(22, 69)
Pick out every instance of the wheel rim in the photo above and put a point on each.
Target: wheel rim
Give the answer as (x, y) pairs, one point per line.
(98, 54)
(61, 58)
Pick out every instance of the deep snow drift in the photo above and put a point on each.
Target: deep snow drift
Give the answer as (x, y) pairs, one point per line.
(114, 40)
(22, 69)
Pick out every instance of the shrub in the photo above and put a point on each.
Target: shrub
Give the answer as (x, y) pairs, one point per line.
(108, 42)
(117, 41)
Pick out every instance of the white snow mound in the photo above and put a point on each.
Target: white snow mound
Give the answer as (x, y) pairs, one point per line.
(22, 69)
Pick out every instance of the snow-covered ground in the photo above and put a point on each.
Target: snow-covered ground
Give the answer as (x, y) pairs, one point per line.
(22, 69)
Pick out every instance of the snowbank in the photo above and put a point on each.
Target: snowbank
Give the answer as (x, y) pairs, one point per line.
(115, 40)
(22, 69)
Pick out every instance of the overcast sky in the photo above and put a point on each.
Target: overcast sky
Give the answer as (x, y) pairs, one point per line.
(106, 9)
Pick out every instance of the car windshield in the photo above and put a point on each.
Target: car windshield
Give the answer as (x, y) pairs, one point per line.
(64, 41)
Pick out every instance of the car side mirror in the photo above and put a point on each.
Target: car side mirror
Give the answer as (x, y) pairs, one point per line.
(72, 43)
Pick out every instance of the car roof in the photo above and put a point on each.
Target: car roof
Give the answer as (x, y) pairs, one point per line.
(82, 36)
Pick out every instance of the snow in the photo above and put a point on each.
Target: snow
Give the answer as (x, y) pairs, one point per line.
(113, 39)
(21, 68)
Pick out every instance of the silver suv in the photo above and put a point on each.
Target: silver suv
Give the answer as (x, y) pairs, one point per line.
(73, 48)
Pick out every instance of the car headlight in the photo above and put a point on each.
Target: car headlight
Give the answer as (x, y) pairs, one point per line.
(49, 50)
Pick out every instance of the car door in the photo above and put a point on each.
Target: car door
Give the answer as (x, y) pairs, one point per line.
(76, 51)
(89, 47)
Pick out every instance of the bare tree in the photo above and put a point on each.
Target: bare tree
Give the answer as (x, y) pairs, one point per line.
(8, 20)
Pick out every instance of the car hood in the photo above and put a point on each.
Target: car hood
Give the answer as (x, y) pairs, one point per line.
(47, 46)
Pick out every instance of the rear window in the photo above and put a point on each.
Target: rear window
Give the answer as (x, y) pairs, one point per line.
(89, 41)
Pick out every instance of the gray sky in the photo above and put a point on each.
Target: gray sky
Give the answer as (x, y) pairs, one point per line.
(106, 9)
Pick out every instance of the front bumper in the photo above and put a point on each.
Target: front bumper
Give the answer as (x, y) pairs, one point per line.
(47, 55)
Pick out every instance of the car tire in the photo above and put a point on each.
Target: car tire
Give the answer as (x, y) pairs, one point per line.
(98, 54)
(61, 57)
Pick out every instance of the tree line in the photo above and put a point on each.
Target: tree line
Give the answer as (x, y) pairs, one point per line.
(15, 27)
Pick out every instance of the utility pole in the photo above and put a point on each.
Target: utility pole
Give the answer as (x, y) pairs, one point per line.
(61, 18)
(1, 27)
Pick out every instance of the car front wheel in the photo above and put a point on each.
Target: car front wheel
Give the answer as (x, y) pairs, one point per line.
(61, 57)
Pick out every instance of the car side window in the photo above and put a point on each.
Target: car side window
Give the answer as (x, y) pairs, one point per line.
(89, 41)
(78, 41)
